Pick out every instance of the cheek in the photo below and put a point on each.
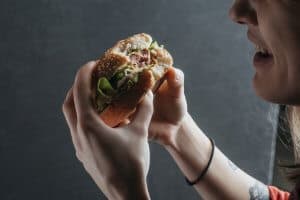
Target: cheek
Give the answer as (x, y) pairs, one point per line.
(272, 82)
(285, 74)
(280, 83)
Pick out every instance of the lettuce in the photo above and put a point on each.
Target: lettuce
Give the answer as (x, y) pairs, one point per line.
(107, 89)
(104, 93)
(153, 45)
(135, 78)
(104, 87)
(116, 77)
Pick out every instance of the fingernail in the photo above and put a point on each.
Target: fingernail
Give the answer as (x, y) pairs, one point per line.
(177, 75)
(149, 93)
(92, 62)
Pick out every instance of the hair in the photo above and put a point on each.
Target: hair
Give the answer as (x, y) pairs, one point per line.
(292, 115)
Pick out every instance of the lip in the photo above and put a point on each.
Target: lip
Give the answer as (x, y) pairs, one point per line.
(260, 60)
(256, 41)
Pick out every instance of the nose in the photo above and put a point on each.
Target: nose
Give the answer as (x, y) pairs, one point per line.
(243, 13)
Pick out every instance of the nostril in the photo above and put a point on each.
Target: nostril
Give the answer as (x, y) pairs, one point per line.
(234, 14)
(242, 12)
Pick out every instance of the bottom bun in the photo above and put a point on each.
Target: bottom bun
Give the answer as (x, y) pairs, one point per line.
(123, 106)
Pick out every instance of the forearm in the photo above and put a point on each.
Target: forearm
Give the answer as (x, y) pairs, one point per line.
(191, 149)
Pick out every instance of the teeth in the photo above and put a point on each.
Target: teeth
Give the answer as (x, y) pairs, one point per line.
(261, 49)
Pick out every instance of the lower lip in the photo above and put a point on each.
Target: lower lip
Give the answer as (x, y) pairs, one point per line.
(262, 61)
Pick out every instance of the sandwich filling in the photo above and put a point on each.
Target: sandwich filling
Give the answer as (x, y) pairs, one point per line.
(126, 76)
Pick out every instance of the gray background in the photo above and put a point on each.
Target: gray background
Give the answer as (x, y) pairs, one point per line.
(43, 43)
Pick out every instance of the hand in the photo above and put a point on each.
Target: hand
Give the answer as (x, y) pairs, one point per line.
(117, 159)
(170, 108)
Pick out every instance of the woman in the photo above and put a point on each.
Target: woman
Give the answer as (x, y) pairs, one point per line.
(118, 159)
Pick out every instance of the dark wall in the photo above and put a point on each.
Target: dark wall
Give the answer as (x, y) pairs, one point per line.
(43, 43)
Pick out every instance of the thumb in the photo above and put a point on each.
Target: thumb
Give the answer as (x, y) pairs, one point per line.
(143, 114)
(175, 80)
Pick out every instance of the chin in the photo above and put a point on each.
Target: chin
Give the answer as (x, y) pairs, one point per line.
(277, 96)
(267, 92)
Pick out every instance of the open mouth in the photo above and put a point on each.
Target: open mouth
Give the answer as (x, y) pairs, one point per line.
(262, 57)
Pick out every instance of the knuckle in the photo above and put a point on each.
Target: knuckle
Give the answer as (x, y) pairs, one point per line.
(66, 103)
(140, 128)
(78, 156)
(64, 107)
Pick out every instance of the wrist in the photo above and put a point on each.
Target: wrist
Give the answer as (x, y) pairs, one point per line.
(187, 129)
(170, 141)
(190, 148)
(133, 189)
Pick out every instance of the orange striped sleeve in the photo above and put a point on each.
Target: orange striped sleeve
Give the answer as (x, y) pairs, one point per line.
(276, 194)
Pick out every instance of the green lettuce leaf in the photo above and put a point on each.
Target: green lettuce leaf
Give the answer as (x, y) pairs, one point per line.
(104, 93)
(105, 88)
(153, 45)
(116, 77)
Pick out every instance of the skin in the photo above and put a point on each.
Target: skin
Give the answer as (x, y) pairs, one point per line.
(273, 25)
(117, 159)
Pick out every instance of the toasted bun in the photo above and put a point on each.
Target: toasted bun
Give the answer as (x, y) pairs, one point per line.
(122, 107)
(117, 57)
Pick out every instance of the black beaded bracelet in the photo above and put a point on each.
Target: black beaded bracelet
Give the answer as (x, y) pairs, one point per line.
(207, 166)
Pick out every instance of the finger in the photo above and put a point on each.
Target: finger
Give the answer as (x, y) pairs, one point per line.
(83, 90)
(175, 80)
(71, 117)
(69, 110)
(158, 84)
(143, 114)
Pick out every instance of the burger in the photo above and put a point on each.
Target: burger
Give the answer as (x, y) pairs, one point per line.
(125, 73)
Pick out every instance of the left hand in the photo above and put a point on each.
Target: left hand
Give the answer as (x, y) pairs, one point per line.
(170, 109)
(117, 159)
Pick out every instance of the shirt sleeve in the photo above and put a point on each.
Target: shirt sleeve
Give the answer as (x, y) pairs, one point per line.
(276, 194)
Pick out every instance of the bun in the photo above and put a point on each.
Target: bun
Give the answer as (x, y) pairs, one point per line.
(148, 63)
(122, 107)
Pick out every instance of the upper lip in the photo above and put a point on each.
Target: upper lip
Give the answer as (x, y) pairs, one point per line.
(255, 39)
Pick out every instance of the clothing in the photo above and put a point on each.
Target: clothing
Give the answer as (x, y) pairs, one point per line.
(276, 194)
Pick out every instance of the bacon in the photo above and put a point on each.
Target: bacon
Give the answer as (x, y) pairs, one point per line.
(134, 58)
(145, 56)
(140, 58)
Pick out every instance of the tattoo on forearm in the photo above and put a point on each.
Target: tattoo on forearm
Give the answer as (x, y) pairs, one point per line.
(259, 192)
(232, 165)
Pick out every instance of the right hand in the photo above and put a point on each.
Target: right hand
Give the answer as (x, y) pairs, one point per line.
(117, 159)
(170, 108)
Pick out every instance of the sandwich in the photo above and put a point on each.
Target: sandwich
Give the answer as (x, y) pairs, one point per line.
(125, 73)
